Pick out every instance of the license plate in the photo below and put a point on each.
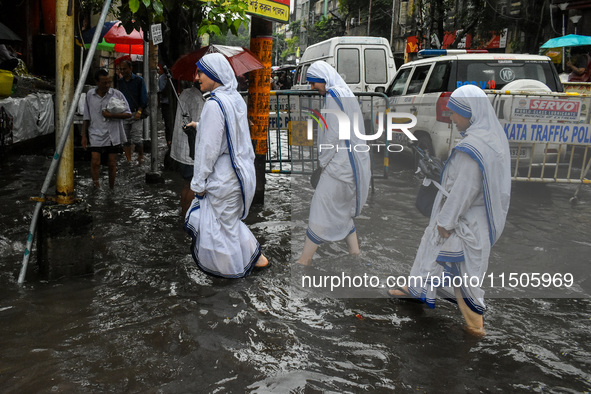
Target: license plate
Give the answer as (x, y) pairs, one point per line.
(398, 138)
(523, 153)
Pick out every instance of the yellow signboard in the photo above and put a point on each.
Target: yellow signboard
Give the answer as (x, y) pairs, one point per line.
(277, 10)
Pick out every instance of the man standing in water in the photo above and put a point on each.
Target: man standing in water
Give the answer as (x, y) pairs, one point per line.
(102, 128)
(134, 89)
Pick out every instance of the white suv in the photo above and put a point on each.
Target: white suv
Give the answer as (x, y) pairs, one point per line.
(423, 87)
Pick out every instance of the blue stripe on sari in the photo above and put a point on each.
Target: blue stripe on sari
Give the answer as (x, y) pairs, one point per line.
(337, 98)
(476, 156)
(231, 150)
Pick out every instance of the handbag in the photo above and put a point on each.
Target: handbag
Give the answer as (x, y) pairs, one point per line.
(191, 135)
(315, 177)
(431, 167)
(426, 198)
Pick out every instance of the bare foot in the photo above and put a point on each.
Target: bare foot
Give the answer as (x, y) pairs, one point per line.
(478, 332)
(262, 262)
(399, 292)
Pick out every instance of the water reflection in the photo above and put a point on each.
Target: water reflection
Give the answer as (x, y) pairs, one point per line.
(149, 321)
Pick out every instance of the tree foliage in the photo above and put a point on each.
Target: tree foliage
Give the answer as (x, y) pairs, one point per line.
(325, 28)
(184, 20)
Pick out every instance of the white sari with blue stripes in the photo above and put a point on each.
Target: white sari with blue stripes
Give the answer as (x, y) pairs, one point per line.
(344, 184)
(224, 169)
(477, 177)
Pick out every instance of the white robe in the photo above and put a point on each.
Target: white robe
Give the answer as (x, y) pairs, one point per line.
(477, 177)
(224, 170)
(467, 250)
(344, 184)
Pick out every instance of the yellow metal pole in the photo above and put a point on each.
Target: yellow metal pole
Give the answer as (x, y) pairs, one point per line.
(64, 89)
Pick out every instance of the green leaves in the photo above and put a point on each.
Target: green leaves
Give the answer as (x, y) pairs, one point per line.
(134, 5)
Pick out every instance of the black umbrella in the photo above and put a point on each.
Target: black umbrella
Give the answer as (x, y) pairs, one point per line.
(7, 35)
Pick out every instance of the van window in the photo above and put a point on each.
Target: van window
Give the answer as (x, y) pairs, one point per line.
(439, 79)
(348, 64)
(397, 86)
(417, 79)
(376, 70)
(496, 74)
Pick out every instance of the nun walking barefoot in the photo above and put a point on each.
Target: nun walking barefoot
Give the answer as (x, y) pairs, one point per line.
(224, 178)
(344, 184)
(466, 224)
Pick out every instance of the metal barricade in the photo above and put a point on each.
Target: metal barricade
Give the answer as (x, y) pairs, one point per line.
(549, 135)
(289, 151)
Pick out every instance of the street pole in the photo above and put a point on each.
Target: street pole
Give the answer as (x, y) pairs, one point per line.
(392, 25)
(562, 7)
(64, 92)
(369, 18)
(259, 88)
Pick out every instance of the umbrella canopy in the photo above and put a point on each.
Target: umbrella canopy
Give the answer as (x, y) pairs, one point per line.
(121, 48)
(241, 59)
(88, 34)
(8, 35)
(571, 40)
(118, 35)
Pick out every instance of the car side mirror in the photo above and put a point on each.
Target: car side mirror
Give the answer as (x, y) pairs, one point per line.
(380, 89)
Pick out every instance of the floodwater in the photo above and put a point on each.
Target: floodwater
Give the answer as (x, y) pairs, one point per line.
(149, 321)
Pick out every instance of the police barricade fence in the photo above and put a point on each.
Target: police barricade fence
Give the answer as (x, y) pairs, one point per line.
(294, 113)
(549, 135)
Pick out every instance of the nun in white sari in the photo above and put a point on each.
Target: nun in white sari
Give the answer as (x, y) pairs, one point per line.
(344, 184)
(223, 178)
(466, 224)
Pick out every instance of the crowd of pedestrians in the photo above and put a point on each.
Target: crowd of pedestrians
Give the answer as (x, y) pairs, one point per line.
(210, 143)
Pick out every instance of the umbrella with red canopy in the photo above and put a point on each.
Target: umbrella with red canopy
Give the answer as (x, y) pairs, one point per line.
(241, 59)
(118, 35)
(114, 38)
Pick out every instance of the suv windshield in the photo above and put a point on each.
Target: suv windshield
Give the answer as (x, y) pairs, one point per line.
(496, 74)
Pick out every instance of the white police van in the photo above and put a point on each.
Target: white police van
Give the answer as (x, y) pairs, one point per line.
(365, 63)
(423, 87)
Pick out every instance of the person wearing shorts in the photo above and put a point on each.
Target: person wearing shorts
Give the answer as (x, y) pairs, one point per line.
(134, 89)
(102, 130)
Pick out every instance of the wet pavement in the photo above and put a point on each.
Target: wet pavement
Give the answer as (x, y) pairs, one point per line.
(149, 321)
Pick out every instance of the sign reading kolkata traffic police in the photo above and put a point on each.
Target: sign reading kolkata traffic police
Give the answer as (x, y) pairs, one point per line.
(275, 10)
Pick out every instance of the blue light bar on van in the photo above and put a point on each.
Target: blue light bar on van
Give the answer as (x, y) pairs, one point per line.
(443, 52)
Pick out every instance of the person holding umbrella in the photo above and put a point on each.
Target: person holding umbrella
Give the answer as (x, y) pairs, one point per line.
(224, 177)
(580, 65)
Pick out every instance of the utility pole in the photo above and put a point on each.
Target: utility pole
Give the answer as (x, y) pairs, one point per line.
(392, 25)
(259, 88)
(369, 18)
(64, 92)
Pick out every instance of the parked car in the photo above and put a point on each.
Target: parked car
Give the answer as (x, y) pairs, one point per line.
(423, 87)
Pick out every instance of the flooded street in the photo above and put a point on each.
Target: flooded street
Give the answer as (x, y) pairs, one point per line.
(149, 321)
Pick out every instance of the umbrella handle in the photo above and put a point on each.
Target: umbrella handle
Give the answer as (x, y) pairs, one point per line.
(169, 77)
